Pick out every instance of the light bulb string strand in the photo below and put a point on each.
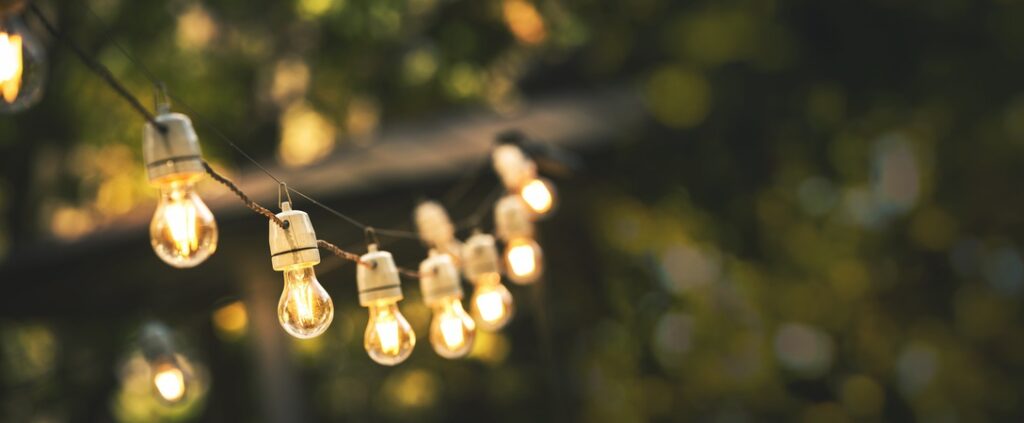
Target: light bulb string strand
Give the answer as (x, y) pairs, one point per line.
(473, 220)
(356, 258)
(254, 206)
(163, 93)
(454, 195)
(161, 89)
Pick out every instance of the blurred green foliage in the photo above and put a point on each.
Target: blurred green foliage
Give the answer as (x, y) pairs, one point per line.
(819, 221)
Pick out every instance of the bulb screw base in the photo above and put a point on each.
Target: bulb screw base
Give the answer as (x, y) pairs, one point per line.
(479, 256)
(439, 278)
(173, 153)
(512, 166)
(512, 219)
(378, 280)
(433, 224)
(436, 229)
(296, 246)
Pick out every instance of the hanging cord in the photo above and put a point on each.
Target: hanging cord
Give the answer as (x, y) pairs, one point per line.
(334, 249)
(162, 101)
(97, 68)
(162, 96)
(473, 220)
(395, 233)
(454, 195)
(245, 198)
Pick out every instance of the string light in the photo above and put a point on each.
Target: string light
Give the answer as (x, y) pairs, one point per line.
(491, 303)
(389, 338)
(524, 261)
(169, 372)
(304, 310)
(436, 229)
(22, 61)
(519, 175)
(183, 232)
(452, 331)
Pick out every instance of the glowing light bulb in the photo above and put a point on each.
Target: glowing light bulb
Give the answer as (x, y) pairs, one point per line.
(183, 232)
(22, 68)
(389, 339)
(305, 310)
(451, 330)
(169, 381)
(10, 66)
(539, 196)
(524, 260)
(491, 303)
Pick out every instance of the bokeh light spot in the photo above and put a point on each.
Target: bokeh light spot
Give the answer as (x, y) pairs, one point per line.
(306, 136)
(678, 97)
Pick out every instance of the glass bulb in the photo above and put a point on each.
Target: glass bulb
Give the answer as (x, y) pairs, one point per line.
(524, 260)
(169, 381)
(452, 331)
(491, 303)
(305, 310)
(183, 232)
(389, 339)
(22, 67)
(539, 196)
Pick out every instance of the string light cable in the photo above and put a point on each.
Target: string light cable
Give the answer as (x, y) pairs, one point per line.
(184, 233)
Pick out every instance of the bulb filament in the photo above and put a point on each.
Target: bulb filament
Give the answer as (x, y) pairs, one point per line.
(11, 66)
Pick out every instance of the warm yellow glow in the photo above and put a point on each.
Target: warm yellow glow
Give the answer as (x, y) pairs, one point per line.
(290, 81)
(310, 9)
(538, 196)
(387, 332)
(11, 66)
(305, 310)
(181, 224)
(170, 382)
(71, 222)
(306, 135)
(183, 232)
(196, 28)
(490, 306)
(490, 347)
(524, 21)
(389, 339)
(452, 331)
(491, 302)
(523, 260)
(231, 320)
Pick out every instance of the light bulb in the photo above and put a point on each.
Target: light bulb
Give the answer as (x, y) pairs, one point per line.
(389, 339)
(451, 330)
(182, 232)
(169, 381)
(523, 260)
(539, 196)
(491, 303)
(305, 310)
(22, 67)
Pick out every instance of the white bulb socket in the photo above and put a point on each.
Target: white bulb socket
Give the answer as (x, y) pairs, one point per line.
(296, 246)
(439, 278)
(512, 219)
(512, 166)
(173, 153)
(433, 224)
(377, 278)
(479, 256)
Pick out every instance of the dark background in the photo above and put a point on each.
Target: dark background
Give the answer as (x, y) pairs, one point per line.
(816, 218)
